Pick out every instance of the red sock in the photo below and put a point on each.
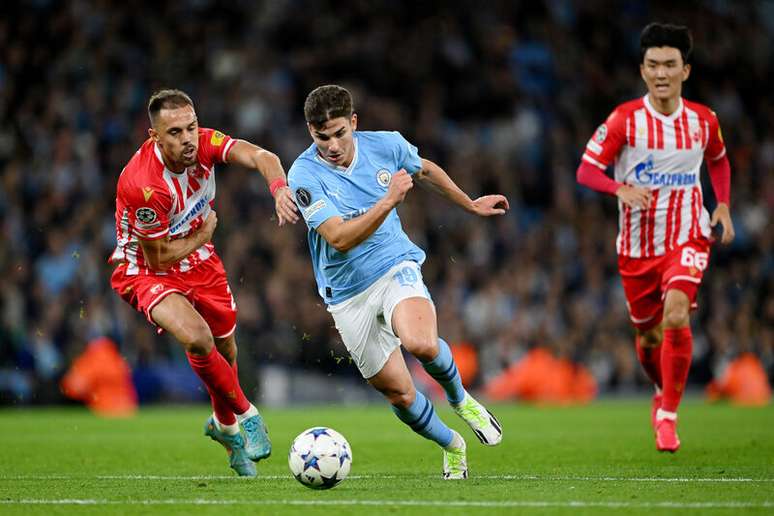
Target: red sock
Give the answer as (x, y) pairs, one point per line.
(219, 377)
(675, 362)
(650, 359)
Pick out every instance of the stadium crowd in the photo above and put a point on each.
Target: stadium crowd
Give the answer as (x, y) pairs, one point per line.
(504, 96)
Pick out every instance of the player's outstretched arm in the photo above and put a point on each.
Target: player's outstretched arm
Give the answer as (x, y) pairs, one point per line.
(344, 235)
(439, 181)
(163, 253)
(268, 164)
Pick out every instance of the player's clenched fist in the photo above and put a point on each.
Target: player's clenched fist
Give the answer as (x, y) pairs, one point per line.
(634, 196)
(400, 184)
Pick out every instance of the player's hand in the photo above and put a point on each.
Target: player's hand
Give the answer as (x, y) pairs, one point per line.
(400, 184)
(489, 205)
(723, 215)
(634, 196)
(287, 211)
(208, 228)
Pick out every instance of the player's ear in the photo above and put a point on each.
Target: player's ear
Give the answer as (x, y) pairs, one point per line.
(686, 71)
(353, 121)
(153, 134)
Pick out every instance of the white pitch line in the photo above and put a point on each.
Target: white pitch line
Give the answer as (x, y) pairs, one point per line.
(532, 478)
(404, 503)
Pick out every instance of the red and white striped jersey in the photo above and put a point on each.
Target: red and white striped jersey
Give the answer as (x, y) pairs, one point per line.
(153, 202)
(663, 153)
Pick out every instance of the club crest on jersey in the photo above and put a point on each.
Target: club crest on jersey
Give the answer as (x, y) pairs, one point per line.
(146, 215)
(383, 177)
(303, 197)
(158, 287)
(601, 133)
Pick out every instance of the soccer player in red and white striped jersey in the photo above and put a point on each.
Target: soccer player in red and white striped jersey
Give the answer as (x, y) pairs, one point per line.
(167, 268)
(656, 145)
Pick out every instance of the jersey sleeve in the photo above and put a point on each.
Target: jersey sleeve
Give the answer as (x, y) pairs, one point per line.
(605, 144)
(406, 155)
(214, 145)
(716, 147)
(312, 201)
(148, 210)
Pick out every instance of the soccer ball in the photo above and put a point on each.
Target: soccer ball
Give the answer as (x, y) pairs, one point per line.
(320, 458)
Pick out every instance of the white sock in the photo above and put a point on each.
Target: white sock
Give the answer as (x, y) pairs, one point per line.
(226, 429)
(663, 414)
(252, 411)
(456, 442)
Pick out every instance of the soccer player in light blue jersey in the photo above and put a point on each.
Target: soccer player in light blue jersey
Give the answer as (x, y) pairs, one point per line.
(347, 185)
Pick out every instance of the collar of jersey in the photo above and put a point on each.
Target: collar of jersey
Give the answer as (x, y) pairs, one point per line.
(341, 170)
(157, 152)
(667, 118)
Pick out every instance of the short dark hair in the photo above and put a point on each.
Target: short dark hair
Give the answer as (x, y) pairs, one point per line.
(666, 35)
(326, 103)
(167, 99)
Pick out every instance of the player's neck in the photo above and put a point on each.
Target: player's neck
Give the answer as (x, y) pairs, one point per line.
(176, 168)
(665, 106)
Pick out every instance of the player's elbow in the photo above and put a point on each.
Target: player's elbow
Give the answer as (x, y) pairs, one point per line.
(267, 160)
(341, 244)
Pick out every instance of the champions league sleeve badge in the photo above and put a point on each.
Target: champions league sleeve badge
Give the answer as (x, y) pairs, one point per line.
(303, 197)
(146, 215)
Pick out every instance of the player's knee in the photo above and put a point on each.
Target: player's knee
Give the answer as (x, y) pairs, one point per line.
(651, 338)
(197, 339)
(401, 398)
(424, 347)
(676, 316)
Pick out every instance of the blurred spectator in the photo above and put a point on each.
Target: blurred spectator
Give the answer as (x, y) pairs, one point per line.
(504, 94)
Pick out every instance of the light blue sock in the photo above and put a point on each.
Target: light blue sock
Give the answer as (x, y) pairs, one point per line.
(444, 370)
(421, 417)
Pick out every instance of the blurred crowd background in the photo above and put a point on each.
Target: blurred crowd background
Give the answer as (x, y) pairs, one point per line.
(503, 94)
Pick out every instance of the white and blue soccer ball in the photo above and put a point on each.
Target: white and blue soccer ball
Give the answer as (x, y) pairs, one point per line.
(320, 458)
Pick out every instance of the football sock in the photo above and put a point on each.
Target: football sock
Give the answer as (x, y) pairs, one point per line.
(421, 417)
(223, 413)
(444, 370)
(226, 428)
(650, 359)
(456, 442)
(250, 412)
(218, 376)
(675, 363)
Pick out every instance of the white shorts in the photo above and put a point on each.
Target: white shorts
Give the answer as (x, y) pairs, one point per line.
(365, 320)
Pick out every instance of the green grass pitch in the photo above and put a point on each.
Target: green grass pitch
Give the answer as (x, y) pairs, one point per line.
(599, 459)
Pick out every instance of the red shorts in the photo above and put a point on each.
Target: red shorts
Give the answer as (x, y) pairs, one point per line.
(205, 287)
(646, 280)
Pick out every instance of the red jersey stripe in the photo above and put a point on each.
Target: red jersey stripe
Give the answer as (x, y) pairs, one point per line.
(626, 244)
(659, 134)
(179, 191)
(649, 119)
(678, 134)
(652, 222)
(686, 130)
(669, 219)
(630, 129)
(643, 233)
(678, 217)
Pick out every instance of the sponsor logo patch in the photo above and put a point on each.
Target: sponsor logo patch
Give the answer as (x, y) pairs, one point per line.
(314, 208)
(217, 138)
(146, 215)
(303, 197)
(383, 177)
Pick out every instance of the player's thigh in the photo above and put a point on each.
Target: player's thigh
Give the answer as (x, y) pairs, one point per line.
(358, 323)
(175, 314)
(641, 279)
(394, 380)
(684, 271)
(213, 298)
(414, 323)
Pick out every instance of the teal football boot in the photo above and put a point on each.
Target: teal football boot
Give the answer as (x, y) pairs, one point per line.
(235, 447)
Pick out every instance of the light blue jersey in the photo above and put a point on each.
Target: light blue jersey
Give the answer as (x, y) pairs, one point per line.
(323, 191)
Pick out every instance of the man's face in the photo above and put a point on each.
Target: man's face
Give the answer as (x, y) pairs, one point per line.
(663, 71)
(334, 140)
(176, 131)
